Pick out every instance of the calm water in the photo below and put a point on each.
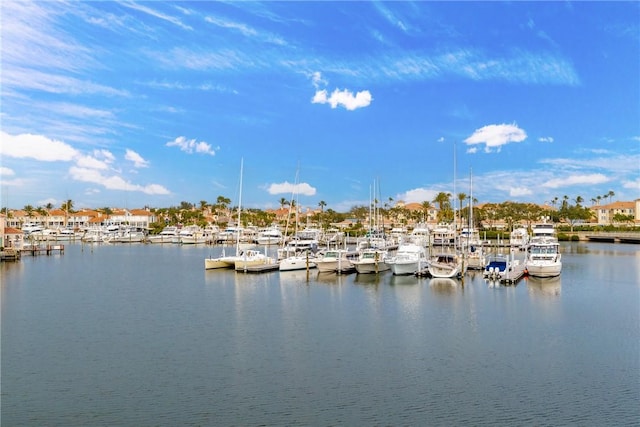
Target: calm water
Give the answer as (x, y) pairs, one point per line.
(142, 335)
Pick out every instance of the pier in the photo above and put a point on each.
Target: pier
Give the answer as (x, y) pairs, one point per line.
(34, 250)
(514, 274)
(612, 237)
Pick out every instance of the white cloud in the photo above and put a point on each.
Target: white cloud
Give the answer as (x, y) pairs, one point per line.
(519, 191)
(38, 147)
(545, 139)
(136, 158)
(6, 171)
(417, 195)
(472, 150)
(344, 98)
(106, 155)
(191, 145)
(114, 182)
(594, 178)
(91, 163)
(317, 80)
(287, 188)
(495, 136)
(633, 185)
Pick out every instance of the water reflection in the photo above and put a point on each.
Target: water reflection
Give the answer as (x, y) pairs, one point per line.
(331, 278)
(403, 280)
(544, 287)
(296, 277)
(444, 285)
(368, 279)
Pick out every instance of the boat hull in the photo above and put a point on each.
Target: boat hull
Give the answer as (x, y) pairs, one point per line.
(296, 263)
(404, 268)
(371, 267)
(544, 269)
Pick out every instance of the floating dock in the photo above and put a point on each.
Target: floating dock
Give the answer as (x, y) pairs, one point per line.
(258, 268)
(514, 275)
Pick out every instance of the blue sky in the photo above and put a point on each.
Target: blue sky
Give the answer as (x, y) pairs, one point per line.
(128, 104)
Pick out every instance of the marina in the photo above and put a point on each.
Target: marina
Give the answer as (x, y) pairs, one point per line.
(124, 334)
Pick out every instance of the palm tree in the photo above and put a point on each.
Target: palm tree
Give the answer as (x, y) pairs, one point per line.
(444, 204)
(461, 198)
(610, 194)
(598, 198)
(578, 200)
(426, 207)
(29, 210)
(322, 204)
(67, 207)
(283, 202)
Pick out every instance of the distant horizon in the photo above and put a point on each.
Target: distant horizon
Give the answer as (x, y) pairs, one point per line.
(154, 103)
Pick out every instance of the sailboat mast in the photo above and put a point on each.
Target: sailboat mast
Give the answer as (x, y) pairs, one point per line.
(239, 208)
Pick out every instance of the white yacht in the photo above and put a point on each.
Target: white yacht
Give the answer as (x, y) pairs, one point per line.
(270, 236)
(519, 238)
(408, 259)
(336, 260)
(543, 257)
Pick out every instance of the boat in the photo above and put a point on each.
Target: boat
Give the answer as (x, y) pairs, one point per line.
(420, 235)
(296, 260)
(337, 261)
(408, 259)
(168, 234)
(270, 236)
(372, 260)
(519, 238)
(307, 238)
(446, 265)
(228, 261)
(126, 235)
(252, 258)
(30, 228)
(543, 257)
(443, 235)
(193, 235)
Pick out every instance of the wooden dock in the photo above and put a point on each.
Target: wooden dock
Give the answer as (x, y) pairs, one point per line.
(514, 275)
(42, 250)
(9, 254)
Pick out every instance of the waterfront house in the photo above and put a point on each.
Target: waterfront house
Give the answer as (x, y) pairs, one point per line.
(605, 213)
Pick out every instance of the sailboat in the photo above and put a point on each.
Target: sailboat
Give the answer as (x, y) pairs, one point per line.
(229, 261)
(471, 243)
(296, 255)
(448, 263)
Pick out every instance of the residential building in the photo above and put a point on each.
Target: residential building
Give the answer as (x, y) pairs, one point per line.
(605, 214)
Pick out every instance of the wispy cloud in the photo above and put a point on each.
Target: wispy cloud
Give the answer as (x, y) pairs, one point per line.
(6, 171)
(155, 13)
(570, 180)
(136, 158)
(191, 146)
(27, 79)
(545, 139)
(247, 31)
(114, 182)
